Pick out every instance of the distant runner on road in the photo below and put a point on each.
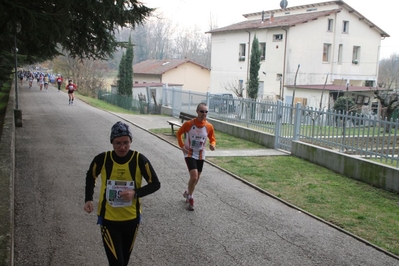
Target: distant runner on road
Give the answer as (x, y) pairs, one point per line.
(59, 80)
(71, 88)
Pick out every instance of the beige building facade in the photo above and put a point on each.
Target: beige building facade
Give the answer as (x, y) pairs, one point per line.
(190, 75)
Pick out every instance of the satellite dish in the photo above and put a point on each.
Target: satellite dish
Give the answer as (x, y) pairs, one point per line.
(283, 3)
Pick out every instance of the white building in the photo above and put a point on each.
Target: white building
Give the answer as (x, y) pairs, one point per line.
(330, 42)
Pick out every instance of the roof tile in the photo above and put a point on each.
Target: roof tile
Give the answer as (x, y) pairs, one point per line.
(159, 67)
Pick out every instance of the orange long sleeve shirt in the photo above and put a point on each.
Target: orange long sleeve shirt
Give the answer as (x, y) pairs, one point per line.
(197, 132)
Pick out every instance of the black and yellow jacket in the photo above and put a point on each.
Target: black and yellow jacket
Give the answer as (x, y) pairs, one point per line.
(134, 166)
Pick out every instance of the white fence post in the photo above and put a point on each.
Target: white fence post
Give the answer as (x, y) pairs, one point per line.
(279, 119)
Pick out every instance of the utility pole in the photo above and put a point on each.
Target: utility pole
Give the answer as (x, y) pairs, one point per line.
(293, 94)
(17, 111)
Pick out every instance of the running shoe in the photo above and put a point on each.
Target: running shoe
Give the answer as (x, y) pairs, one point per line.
(190, 206)
(185, 195)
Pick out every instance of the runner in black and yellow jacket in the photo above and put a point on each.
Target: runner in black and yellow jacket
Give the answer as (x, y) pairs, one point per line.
(119, 208)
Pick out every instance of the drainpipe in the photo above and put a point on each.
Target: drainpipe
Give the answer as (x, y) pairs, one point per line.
(249, 49)
(377, 66)
(285, 58)
(334, 46)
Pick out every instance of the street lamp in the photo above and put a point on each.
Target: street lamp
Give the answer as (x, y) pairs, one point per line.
(17, 112)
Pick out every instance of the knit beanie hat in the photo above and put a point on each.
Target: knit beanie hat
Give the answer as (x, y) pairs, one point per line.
(120, 129)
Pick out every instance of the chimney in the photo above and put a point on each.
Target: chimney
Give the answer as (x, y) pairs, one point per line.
(271, 17)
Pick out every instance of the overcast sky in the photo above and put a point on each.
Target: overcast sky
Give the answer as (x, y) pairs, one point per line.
(192, 13)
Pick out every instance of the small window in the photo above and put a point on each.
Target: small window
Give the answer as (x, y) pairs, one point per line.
(241, 52)
(277, 37)
(340, 47)
(356, 55)
(326, 52)
(330, 25)
(262, 47)
(241, 84)
(369, 83)
(345, 26)
(279, 77)
(359, 99)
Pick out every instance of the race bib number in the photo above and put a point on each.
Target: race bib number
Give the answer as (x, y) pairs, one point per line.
(197, 142)
(114, 188)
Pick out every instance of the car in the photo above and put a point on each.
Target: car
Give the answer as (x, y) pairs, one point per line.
(221, 102)
(104, 96)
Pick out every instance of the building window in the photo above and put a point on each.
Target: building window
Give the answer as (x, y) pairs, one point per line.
(340, 47)
(241, 52)
(261, 90)
(330, 25)
(326, 52)
(345, 26)
(369, 83)
(262, 47)
(356, 55)
(277, 37)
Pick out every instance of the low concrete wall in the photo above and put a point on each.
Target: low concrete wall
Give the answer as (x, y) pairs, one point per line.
(376, 174)
(7, 173)
(259, 137)
(166, 110)
(373, 173)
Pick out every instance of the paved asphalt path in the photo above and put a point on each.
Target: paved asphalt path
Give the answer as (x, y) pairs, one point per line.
(233, 224)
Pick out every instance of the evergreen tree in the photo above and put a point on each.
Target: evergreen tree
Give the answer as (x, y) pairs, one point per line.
(125, 74)
(129, 69)
(345, 104)
(253, 84)
(121, 75)
(85, 29)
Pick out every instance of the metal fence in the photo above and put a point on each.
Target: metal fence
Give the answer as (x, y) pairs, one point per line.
(366, 136)
(129, 103)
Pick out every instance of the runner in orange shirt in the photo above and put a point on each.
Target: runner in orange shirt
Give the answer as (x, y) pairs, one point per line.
(197, 131)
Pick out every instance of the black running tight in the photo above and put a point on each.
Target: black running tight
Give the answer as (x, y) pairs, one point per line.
(118, 239)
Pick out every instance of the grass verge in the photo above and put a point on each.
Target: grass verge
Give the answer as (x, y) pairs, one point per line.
(4, 95)
(103, 105)
(359, 208)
